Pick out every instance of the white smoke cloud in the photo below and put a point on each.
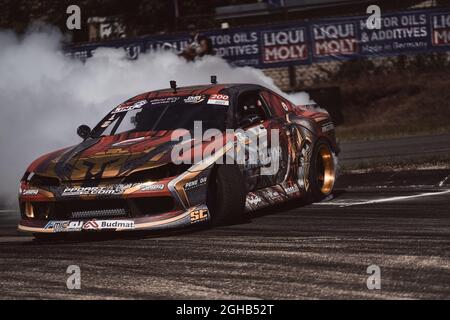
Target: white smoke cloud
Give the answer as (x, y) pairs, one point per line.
(300, 98)
(303, 98)
(45, 95)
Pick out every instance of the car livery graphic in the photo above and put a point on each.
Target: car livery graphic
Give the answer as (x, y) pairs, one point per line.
(123, 175)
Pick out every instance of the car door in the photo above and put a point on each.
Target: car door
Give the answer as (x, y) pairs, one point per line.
(257, 120)
(280, 108)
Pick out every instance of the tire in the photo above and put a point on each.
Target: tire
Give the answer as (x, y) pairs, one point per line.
(226, 194)
(322, 171)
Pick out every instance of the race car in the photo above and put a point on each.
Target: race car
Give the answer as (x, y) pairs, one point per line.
(167, 159)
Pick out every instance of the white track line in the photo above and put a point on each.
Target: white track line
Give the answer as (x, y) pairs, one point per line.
(443, 181)
(348, 204)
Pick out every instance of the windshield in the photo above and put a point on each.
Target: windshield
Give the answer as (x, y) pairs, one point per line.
(168, 113)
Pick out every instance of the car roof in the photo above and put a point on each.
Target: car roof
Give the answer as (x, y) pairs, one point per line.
(194, 90)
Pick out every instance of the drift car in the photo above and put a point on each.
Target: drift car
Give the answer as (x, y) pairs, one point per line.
(124, 175)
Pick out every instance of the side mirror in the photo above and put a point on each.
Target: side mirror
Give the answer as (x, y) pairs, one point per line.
(249, 120)
(83, 131)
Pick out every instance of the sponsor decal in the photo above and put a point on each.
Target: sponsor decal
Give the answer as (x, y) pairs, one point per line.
(153, 187)
(30, 192)
(195, 183)
(109, 121)
(104, 190)
(292, 189)
(64, 226)
(115, 224)
(284, 105)
(194, 99)
(91, 225)
(124, 108)
(164, 100)
(254, 200)
(221, 99)
(327, 127)
(199, 215)
(273, 195)
(73, 226)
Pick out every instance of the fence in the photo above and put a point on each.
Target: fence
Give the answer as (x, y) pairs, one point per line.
(308, 42)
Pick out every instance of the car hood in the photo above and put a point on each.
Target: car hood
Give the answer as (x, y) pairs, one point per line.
(107, 157)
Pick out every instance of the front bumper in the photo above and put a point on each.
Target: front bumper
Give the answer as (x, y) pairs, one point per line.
(170, 220)
(168, 203)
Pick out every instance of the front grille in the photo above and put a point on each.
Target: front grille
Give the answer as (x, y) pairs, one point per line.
(107, 213)
(84, 209)
(101, 208)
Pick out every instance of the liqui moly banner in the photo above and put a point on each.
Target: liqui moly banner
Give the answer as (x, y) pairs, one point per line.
(284, 46)
(413, 31)
(440, 29)
(334, 39)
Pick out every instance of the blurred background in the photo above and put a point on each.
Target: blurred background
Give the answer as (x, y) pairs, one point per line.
(375, 83)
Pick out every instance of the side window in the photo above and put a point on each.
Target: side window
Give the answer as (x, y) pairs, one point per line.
(251, 109)
(278, 105)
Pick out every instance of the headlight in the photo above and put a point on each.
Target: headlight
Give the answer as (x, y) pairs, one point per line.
(37, 180)
(158, 173)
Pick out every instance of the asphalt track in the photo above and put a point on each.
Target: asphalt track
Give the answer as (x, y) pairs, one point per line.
(403, 150)
(399, 221)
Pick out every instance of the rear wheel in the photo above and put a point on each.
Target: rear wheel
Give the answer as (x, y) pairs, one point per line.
(226, 194)
(322, 171)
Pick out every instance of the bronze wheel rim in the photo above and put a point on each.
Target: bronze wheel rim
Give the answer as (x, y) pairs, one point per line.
(325, 170)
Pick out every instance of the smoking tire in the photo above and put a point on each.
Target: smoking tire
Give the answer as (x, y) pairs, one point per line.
(322, 171)
(226, 194)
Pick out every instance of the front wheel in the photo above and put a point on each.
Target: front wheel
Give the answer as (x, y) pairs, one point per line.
(322, 171)
(226, 194)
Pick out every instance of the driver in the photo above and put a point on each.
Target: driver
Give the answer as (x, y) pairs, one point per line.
(249, 111)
